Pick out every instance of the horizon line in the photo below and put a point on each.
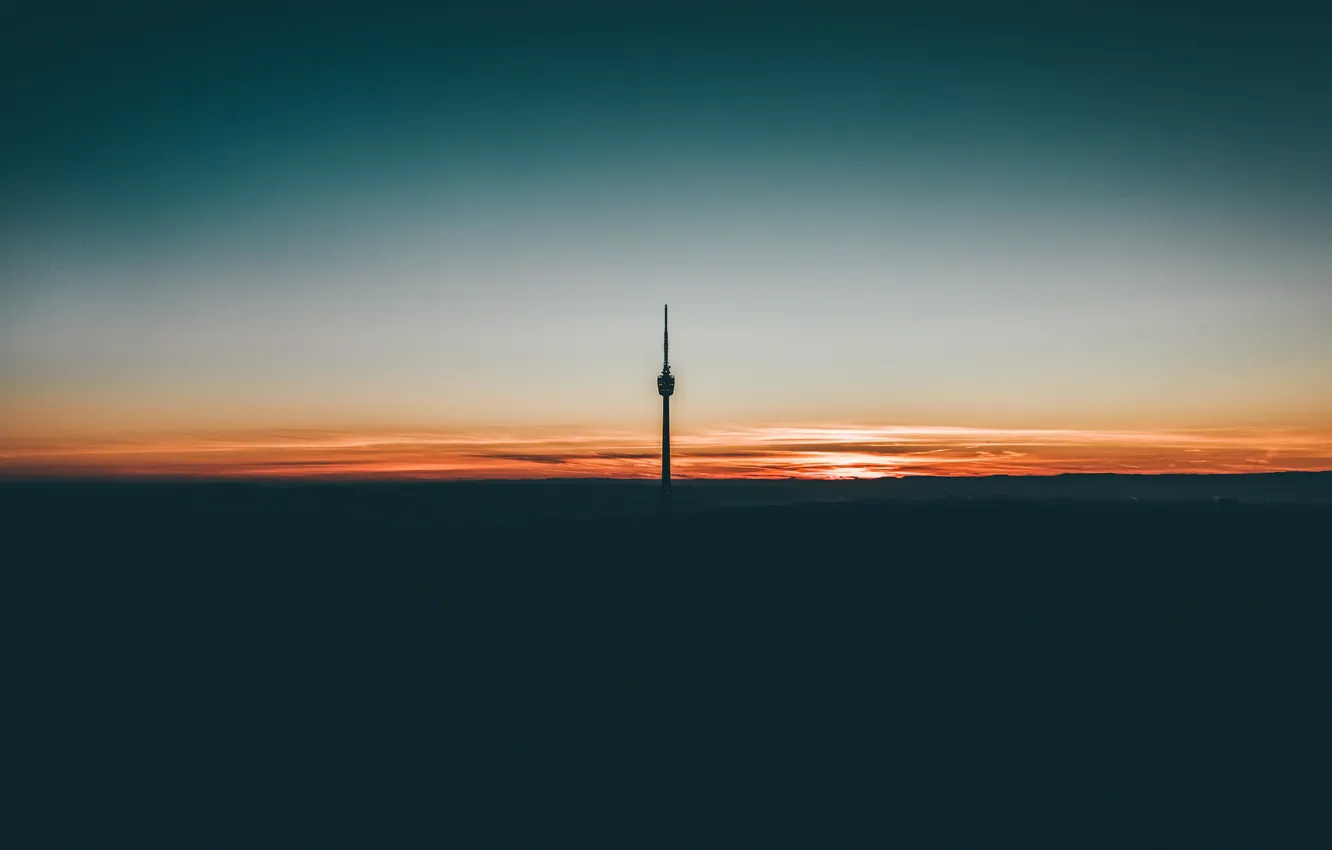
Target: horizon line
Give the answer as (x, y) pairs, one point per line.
(827, 452)
(293, 480)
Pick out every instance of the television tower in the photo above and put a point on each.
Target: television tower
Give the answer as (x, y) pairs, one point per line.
(666, 386)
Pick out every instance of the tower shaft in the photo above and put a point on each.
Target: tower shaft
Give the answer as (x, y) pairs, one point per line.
(666, 443)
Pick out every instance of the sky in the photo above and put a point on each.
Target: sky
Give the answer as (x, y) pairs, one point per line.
(328, 239)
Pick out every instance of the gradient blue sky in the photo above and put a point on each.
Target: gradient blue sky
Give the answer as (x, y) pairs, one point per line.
(996, 215)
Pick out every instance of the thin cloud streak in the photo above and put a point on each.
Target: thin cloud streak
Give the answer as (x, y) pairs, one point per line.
(813, 451)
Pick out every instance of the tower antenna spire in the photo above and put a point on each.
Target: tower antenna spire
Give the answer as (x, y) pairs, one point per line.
(666, 339)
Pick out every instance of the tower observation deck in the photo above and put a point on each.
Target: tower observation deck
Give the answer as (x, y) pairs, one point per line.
(666, 386)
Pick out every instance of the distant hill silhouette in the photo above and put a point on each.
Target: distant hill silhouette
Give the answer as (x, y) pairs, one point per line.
(506, 501)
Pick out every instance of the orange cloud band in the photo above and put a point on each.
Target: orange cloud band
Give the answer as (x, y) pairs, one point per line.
(819, 451)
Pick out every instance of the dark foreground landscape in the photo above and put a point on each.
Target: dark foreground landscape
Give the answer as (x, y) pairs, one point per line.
(1088, 662)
